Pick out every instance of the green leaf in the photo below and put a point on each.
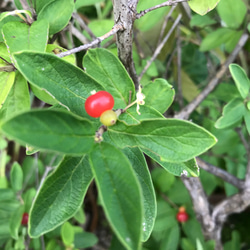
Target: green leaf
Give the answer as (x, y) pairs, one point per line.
(57, 13)
(60, 196)
(39, 5)
(188, 168)
(172, 240)
(65, 82)
(42, 93)
(202, 7)
(119, 192)
(162, 179)
(54, 130)
(192, 229)
(201, 21)
(171, 140)
(55, 49)
(131, 117)
(80, 216)
(82, 3)
(232, 12)
(108, 71)
(7, 19)
(240, 78)
(67, 234)
(247, 120)
(84, 240)
(150, 20)
(18, 99)
(6, 194)
(20, 36)
(99, 28)
(4, 53)
(28, 198)
(6, 82)
(15, 221)
(219, 37)
(16, 177)
(140, 167)
(159, 94)
(232, 113)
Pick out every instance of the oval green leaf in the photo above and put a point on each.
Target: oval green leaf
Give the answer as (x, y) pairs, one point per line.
(140, 167)
(240, 78)
(67, 234)
(232, 12)
(159, 94)
(53, 130)
(219, 37)
(20, 36)
(15, 221)
(18, 99)
(16, 177)
(119, 192)
(60, 196)
(171, 140)
(131, 117)
(232, 113)
(6, 82)
(202, 7)
(188, 168)
(108, 71)
(65, 82)
(57, 13)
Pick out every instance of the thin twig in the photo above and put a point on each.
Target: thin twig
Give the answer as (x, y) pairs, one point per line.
(27, 7)
(224, 175)
(247, 147)
(98, 40)
(179, 85)
(184, 113)
(168, 3)
(84, 25)
(160, 46)
(79, 35)
(164, 25)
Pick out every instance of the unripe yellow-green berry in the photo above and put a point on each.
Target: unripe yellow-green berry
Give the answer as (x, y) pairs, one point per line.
(108, 118)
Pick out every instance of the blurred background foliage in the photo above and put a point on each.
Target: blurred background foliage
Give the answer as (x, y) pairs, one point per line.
(206, 42)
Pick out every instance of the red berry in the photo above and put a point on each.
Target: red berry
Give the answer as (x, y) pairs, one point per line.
(99, 102)
(25, 219)
(182, 215)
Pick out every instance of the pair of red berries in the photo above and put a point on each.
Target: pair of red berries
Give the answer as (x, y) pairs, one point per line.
(182, 215)
(100, 105)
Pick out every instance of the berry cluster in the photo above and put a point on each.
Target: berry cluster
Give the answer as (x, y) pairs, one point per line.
(100, 105)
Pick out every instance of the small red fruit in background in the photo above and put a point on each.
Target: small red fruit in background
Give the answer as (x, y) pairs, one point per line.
(99, 102)
(182, 215)
(25, 219)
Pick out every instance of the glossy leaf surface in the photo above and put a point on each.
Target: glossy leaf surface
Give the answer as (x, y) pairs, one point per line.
(108, 71)
(241, 80)
(65, 82)
(202, 7)
(53, 130)
(20, 36)
(114, 176)
(171, 140)
(60, 196)
(140, 167)
(159, 94)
